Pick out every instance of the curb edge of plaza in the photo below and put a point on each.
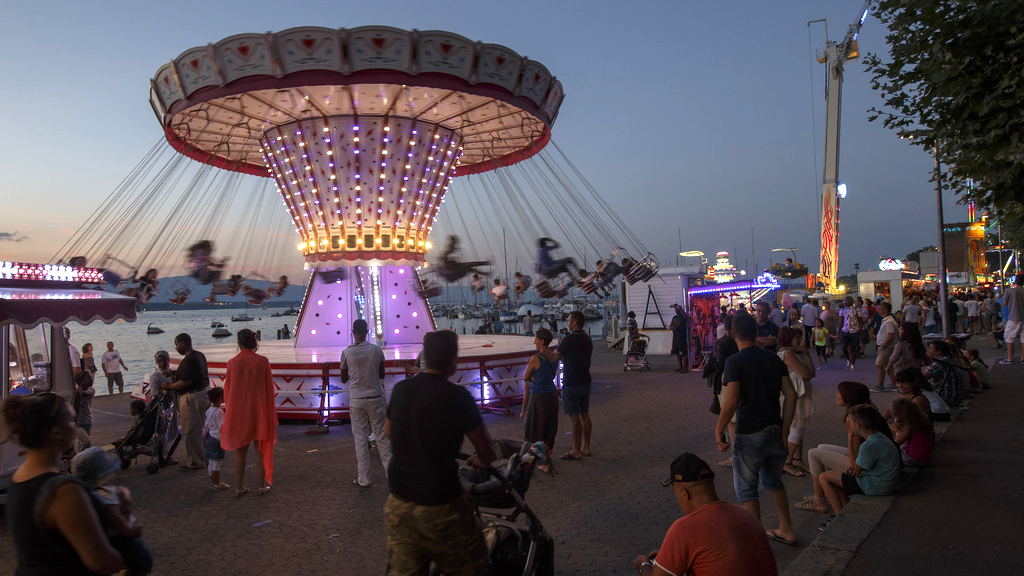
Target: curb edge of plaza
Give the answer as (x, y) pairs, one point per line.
(832, 551)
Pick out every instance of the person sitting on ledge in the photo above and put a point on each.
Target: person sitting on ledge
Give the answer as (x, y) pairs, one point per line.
(877, 468)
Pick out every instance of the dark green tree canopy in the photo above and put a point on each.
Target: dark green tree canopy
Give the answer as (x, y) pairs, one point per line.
(955, 71)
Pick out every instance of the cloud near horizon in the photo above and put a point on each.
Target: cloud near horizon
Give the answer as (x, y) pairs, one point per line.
(12, 236)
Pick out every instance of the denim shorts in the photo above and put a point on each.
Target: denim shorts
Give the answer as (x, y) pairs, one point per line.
(760, 455)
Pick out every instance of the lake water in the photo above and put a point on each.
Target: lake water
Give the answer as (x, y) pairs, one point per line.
(137, 347)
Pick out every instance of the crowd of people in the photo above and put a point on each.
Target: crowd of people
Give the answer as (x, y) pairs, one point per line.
(763, 372)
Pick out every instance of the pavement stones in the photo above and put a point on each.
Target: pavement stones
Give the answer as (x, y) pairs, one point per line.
(602, 511)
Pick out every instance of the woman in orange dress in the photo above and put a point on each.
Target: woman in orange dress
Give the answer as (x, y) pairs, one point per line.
(250, 415)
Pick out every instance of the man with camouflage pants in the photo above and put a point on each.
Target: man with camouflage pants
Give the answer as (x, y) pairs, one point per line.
(427, 515)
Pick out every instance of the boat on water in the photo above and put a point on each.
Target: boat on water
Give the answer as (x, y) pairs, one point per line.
(592, 312)
(216, 324)
(151, 329)
(509, 316)
(243, 317)
(291, 312)
(221, 332)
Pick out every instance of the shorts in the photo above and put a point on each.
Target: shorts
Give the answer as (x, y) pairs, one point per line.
(576, 400)
(213, 449)
(821, 350)
(1012, 331)
(850, 485)
(680, 346)
(849, 339)
(884, 354)
(446, 534)
(760, 455)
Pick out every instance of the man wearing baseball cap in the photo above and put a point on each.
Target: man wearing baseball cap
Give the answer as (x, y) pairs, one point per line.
(713, 536)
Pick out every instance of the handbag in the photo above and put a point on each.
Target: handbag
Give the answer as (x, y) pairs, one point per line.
(716, 406)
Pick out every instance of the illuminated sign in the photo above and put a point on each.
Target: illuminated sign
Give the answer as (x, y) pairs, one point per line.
(891, 264)
(49, 272)
(765, 281)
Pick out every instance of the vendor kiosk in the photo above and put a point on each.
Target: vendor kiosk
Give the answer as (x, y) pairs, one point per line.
(706, 301)
(36, 301)
(889, 281)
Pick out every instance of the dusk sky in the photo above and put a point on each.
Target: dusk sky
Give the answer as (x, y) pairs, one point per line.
(701, 116)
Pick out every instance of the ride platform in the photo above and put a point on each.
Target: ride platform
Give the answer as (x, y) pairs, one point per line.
(308, 379)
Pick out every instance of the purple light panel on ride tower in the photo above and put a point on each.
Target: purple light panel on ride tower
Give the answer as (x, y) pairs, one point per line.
(387, 297)
(362, 190)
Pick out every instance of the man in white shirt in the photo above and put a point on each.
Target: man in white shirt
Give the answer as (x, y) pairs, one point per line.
(809, 313)
(973, 306)
(886, 342)
(1014, 302)
(112, 364)
(911, 311)
(362, 368)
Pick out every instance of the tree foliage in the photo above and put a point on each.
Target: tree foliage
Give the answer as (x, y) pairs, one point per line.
(955, 72)
(916, 254)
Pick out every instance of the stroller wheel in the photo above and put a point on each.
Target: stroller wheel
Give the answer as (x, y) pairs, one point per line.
(152, 469)
(125, 464)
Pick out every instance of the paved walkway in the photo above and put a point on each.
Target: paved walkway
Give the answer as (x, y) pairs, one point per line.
(602, 511)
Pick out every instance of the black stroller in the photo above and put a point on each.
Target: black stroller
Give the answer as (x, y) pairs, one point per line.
(498, 498)
(156, 435)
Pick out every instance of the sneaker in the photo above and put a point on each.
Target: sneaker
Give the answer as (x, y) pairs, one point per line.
(878, 389)
(1006, 361)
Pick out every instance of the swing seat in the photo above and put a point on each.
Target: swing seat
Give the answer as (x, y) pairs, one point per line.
(610, 271)
(255, 297)
(429, 292)
(643, 271)
(545, 290)
(588, 286)
(332, 276)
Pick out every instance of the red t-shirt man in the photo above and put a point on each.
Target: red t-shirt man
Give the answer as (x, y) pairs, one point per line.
(717, 538)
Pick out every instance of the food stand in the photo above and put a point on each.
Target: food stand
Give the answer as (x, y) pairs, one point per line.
(889, 281)
(36, 301)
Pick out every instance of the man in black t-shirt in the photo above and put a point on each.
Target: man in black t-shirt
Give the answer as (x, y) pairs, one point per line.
(427, 515)
(754, 379)
(191, 379)
(575, 350)
(767, 331)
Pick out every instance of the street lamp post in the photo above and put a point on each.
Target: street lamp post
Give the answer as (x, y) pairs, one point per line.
(943, 297)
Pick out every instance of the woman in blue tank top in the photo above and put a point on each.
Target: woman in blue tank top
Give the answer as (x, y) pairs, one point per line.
(540, 397)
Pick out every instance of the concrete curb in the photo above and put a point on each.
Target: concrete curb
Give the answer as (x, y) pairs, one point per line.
(832, 551)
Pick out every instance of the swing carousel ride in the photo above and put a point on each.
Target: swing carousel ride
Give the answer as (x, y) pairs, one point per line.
(361, 132)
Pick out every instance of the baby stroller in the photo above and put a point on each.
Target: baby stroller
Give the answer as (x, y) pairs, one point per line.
(156, 435)
(636, 356)
(498, 498)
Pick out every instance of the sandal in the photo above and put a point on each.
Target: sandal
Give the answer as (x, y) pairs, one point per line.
(219, 487)
(241, 492)
(799, 465)
(726, 463)
(813, 504)
(263, 491)
(792, 471)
